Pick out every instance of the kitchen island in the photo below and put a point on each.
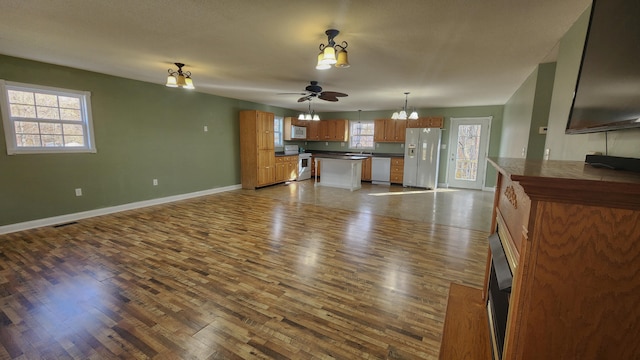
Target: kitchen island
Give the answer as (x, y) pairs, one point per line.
(340, 171)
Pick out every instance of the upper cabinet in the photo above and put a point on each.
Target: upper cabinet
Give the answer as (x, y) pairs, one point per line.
(389, 130)
(426, 122)
(327, 130)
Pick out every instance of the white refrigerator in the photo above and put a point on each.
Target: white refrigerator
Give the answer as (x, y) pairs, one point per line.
(421, 157)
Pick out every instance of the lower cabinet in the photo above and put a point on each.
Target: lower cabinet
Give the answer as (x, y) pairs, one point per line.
(366, 169)
(286, 168)
(397, 170)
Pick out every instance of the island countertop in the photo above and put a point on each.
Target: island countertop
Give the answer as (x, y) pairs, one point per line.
(340, 157)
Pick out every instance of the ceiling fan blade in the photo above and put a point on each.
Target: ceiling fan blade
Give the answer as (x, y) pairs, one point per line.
(304, 98)
(293, 93)
(333, 94)
(325, 97)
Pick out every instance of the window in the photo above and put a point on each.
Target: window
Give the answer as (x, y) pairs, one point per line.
(361, 135)
(277, 131)
(39, 119)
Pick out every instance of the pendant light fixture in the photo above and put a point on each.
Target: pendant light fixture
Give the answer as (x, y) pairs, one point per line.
(179, 78)
(311, 115)
(332, 53)
(402, 115)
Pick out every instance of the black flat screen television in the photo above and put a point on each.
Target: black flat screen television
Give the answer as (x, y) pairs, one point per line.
(607, 94)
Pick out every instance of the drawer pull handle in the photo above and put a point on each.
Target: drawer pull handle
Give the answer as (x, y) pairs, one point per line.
(510, 193)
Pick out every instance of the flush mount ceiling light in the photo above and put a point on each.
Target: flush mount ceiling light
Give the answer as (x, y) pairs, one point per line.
(311, 115)
(402, 115)
(179, 78)
(332, 53)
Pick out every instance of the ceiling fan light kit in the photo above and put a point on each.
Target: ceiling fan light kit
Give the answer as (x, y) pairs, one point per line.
(311, 115)
(332, 53)
(179, 78)
(402, 115)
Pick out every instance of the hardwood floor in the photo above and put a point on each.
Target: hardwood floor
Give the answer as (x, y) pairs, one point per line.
(242, 275)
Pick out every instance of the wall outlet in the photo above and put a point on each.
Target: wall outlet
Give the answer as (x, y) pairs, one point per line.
(79, 192)
(542, 130)
(443, 146)
(155, 182)
(341, 144)
(326, 143)
(546, 154)
(524, 152)
(206, 128)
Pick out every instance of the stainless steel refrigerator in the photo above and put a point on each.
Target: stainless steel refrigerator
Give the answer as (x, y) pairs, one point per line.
(421, 157)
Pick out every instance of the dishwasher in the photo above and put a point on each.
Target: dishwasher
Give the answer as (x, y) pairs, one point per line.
(380, 170)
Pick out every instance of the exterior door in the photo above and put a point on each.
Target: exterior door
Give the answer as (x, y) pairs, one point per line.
(468, 149)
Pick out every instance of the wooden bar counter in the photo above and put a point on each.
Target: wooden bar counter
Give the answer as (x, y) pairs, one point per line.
(571, 235)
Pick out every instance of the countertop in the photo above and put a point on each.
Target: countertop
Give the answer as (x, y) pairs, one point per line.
(340, 156)
(319, 153)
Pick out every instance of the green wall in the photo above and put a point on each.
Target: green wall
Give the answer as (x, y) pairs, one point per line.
(143, 131)
(525, 112)
(494, 111)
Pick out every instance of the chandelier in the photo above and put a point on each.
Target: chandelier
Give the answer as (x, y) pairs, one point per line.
(332, 53)
(402, 115)
(311, 115)
(179, 78)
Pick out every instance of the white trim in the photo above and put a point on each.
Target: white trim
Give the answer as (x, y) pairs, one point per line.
(109, 210)
(489, 188)
(9, 122)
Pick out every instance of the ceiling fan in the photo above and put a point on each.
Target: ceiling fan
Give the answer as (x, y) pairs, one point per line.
(315, 90)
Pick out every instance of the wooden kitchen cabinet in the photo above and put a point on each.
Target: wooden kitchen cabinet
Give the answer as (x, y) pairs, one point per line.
(426, 122)
(389, 130)
(286, 168)
(328, 130)
(313, 130)
(570, 234)
(397, 170)
(257, 154)
(366, 169)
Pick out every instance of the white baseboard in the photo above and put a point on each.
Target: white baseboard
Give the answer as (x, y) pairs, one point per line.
(109, 210)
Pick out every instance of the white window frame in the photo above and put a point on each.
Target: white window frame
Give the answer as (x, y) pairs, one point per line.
(353, 146)
(278, 136)
(9, 122)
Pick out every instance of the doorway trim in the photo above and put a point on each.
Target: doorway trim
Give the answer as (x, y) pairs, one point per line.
(485, 137)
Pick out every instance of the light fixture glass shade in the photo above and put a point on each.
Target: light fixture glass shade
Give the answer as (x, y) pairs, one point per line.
(189, 83)
(402, 115)
(180, 81)
(321, 65)
(301, 117)
(394, 116)
(171, 81)
(308, 117)
(343, 59)
(414, 115)
(316, 117)
(329, 55)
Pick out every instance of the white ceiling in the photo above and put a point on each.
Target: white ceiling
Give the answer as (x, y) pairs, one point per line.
(447, 53)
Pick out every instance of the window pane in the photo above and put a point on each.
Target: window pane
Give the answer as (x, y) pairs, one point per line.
(27, 127)
(69, 102)
(52, 140)
(73, 140)
(28, 140)
(23, 111)
(48, 113)
(20, 97)
(70, 114)
(46, 100)
(50, 128)
(72, 129)
(361, 135)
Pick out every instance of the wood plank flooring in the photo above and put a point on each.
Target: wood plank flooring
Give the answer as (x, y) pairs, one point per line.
(234, 275)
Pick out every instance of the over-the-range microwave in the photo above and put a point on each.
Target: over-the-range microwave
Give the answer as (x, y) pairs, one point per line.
(298, 132)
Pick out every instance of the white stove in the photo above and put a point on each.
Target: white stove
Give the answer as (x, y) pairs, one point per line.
(304, 161)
